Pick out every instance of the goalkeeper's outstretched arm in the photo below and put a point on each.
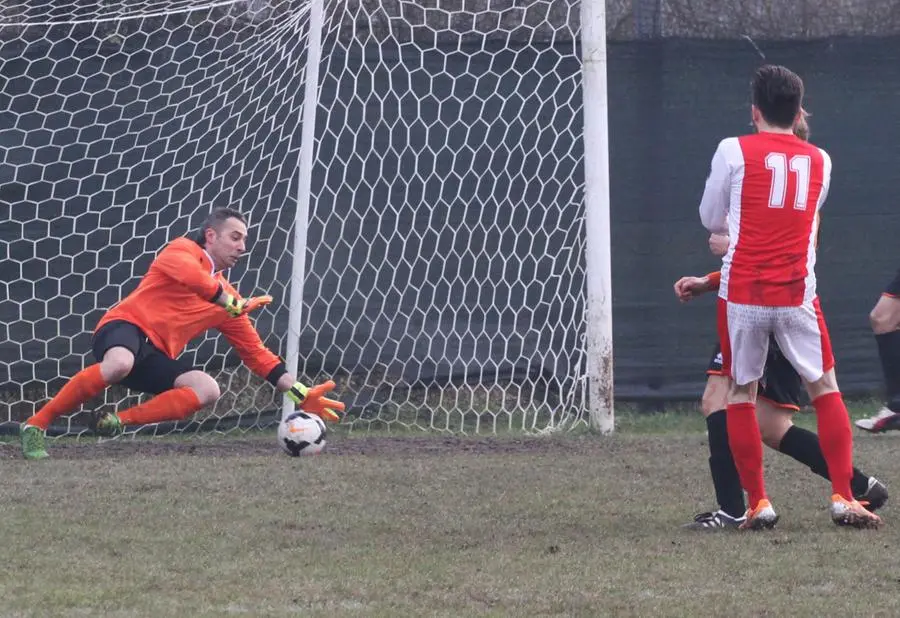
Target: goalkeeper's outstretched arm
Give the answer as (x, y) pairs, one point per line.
(264, 363)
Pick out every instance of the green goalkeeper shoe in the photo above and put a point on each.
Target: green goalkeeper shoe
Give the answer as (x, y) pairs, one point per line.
(33, 442)
(109, 424)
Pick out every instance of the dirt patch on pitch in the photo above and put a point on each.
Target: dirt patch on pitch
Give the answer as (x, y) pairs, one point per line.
(380, 446)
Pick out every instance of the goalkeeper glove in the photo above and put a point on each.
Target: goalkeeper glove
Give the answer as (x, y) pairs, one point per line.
(313, 400)
(236, 307)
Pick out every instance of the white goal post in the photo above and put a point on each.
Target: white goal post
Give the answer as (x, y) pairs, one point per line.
(426, 182)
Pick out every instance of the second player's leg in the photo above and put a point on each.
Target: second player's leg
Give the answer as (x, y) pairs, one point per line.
(803, 338)
(715, 395)
(835, 435)
(774, 423)
(779, 398)
(779, 432)
(744, 349)
(726, 482)
(885, 322)
(804, 341)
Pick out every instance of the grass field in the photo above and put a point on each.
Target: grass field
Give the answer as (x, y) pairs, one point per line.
(576, 525)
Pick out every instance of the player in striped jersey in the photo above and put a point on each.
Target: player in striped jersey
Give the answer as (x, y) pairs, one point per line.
(779, 398)
(765, 191)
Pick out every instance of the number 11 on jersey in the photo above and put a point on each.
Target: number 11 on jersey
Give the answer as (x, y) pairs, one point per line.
(800, 165)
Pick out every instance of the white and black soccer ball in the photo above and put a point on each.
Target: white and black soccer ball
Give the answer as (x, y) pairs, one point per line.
(301, 433)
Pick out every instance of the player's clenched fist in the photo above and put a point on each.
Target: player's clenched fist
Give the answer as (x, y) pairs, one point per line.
(688, 288)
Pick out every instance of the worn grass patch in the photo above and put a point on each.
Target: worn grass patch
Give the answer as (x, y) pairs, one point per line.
(393, 526)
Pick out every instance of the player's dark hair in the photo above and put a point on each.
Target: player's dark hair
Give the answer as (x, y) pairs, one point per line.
(778, 93)
(801, 129)
(215, 219)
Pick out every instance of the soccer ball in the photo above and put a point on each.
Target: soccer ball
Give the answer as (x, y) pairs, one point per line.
(301, 434)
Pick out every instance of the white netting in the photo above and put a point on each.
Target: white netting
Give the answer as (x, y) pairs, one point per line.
(444, 281)
(122, 135)
(451, 171)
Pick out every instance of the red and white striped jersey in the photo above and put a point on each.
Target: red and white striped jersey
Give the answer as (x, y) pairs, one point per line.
(765, 190)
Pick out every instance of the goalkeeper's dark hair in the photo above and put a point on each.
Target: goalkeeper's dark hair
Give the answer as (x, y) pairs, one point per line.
(778, 93)
(215, 219)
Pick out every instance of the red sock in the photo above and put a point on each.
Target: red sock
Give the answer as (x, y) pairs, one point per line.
(84, 386)
(174, 405)
(836, 439)
(746, 447)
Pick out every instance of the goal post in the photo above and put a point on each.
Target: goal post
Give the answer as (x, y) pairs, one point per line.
(427, 189)
(304, 187)
(597, 224)
(451, 164)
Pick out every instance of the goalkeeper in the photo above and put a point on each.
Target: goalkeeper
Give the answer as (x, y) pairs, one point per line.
(137, 342)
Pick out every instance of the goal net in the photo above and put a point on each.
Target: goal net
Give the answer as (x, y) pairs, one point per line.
(443, 271)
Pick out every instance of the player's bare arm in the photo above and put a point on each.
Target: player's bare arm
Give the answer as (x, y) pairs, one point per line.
(688, 288)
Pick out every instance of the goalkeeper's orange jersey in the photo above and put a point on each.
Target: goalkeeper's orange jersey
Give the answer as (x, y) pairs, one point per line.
(174, 303)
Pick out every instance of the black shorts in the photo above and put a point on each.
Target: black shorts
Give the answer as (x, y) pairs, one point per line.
(780, 385)
(893, 288)
(153, 371)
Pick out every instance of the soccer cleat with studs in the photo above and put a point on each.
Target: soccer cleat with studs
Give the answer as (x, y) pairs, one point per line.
(33, 442)
(108, 424)
(709, 521)
(761, 517)
(852, 513)
(885, 420)
(875, 496)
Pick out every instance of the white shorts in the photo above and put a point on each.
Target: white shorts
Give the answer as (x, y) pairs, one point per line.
(800, 332)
